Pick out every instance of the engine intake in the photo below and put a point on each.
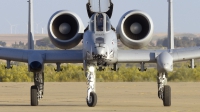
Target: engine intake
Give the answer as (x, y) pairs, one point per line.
(135, 29)
(65, 29)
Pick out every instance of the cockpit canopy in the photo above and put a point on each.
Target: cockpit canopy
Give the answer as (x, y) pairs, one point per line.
(100, 22)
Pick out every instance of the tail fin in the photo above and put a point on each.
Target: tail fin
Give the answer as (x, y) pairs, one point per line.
(30, 26)
(170, 26)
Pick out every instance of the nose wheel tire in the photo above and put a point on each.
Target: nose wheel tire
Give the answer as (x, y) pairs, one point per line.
(167, 96)
(34, 98)
(93, 100)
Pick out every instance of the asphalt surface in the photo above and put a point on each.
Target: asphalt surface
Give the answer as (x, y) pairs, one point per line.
(112, 97)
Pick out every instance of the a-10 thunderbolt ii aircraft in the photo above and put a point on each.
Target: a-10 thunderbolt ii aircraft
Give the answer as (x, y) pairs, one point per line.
(66, 30)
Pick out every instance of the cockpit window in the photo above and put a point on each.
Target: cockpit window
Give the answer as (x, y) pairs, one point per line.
(108, 24)
(99, 22)
(91, 26)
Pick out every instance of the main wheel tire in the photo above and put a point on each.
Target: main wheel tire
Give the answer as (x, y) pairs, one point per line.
(34, 98)
(167, 96)
(93, 100)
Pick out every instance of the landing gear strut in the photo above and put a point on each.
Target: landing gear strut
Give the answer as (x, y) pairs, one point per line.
(37, 90)
(164, 91)
(91, 95)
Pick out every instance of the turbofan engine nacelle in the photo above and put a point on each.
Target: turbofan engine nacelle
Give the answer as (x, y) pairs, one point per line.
(135, 29)
(65, 29)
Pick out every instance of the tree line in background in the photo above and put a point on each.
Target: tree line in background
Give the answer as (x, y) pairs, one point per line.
(179, 42)
(3, 44)
(74, 73)
(45, 44)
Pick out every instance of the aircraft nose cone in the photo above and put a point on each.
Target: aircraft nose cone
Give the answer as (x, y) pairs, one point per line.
(100, 51)
(165, 62)
(168, 67)
(35, 66)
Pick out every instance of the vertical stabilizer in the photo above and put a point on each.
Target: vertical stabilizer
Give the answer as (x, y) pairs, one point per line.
(170, 26)
(30, 25)
(99, 6)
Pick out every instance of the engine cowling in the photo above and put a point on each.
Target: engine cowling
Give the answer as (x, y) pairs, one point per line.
(135, 29)
(65, 29)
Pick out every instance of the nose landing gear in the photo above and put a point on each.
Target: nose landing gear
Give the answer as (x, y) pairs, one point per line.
(164, 91)
(91, 95)
(167, 96)
(37, 90)
(92, 99)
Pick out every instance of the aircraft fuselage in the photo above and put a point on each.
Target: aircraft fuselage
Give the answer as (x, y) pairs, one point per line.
(100, 48)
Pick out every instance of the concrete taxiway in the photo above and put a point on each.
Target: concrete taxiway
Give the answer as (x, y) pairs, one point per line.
(112, 97)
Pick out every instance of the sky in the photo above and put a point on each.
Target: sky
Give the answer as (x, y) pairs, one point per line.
(15, 13)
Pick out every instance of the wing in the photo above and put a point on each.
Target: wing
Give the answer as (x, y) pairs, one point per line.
(150, 56)
(186, 54)
(134, 56)
(48, 56)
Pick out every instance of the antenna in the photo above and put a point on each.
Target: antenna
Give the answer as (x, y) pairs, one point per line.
(170, 26)
(30, 26)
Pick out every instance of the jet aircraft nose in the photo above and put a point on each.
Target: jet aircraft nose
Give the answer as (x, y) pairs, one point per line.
(167, 67)
(165, 62)
(100, 51)
(100, 48)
